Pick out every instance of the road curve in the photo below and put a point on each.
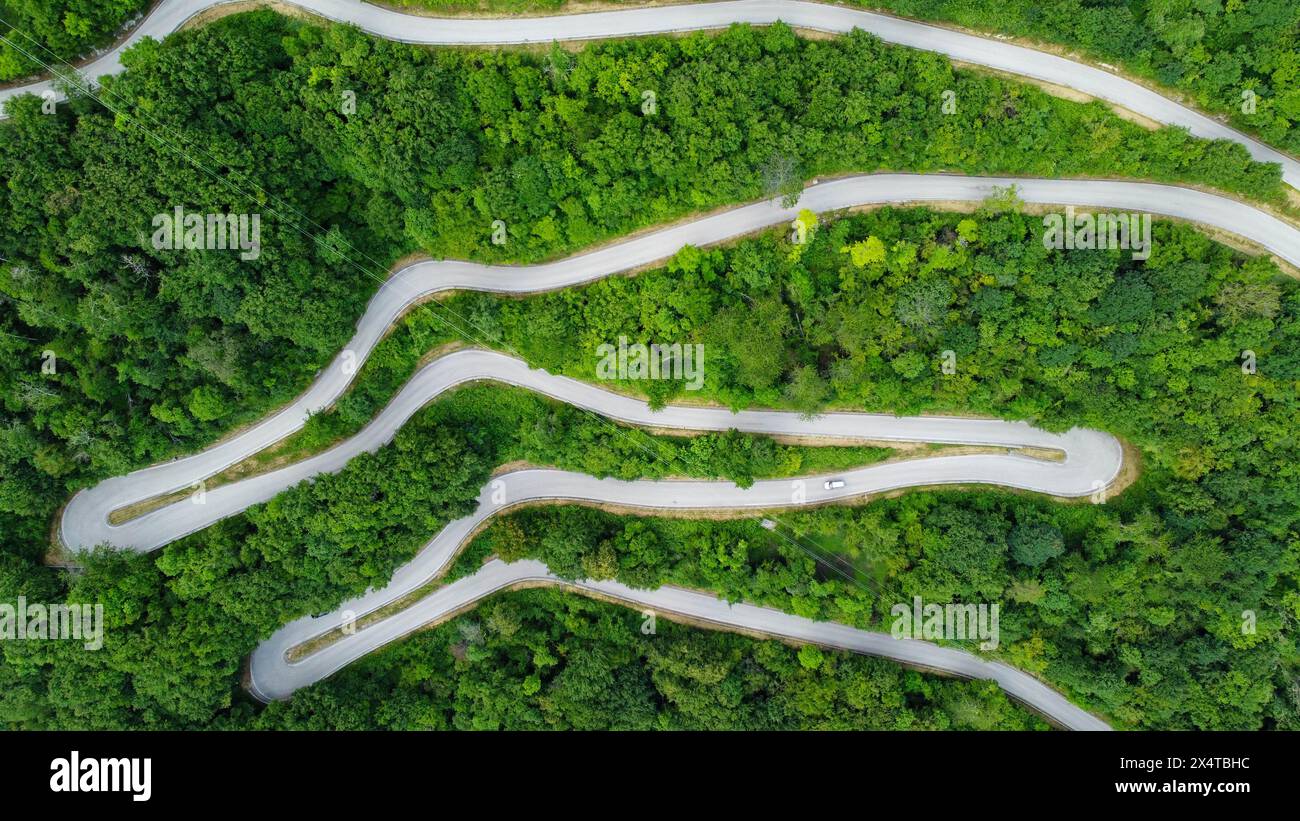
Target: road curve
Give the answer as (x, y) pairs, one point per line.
(84, 522)
(995, 54)
(272, 677)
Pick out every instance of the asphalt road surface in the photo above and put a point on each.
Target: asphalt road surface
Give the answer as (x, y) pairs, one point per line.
(983, 51)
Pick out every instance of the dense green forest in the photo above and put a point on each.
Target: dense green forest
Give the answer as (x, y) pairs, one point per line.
(158, 354)
(47, 32)
(542, 659)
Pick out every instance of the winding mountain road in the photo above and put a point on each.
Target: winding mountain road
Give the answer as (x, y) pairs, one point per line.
(990, 53)
(1091, 459)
